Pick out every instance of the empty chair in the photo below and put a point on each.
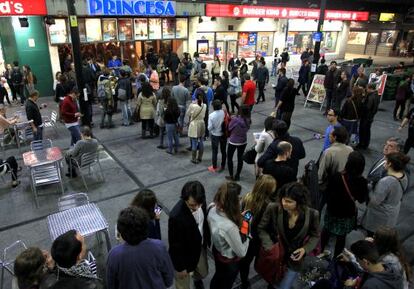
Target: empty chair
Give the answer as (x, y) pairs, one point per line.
(9, 255)
(45, 174)
(87, 160)
(51, 121)
(73, 200)
(40, 144)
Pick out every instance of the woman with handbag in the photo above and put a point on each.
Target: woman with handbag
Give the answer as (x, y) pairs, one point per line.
(238, 128)
(351, 111)
(290, 226)
(229, 245)
(344, 189)
(262, 143)
(385, 199)
(146, 103)
(255, 201)
(234, 90)
(196, 128)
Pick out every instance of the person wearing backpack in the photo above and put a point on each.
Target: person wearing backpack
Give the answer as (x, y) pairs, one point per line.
(124, 92)
(105, 96)
(17, 82)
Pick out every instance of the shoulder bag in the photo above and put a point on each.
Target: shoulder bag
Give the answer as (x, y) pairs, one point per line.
(352, 198)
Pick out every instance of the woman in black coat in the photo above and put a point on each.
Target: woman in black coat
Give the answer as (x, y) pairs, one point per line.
(304, 77)
(344, 189)
(286, 104)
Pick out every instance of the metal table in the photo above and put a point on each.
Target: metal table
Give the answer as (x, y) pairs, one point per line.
(21, 124)
(49, 155)
(86, 219)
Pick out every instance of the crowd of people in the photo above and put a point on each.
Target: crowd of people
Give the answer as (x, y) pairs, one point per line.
(281, 209)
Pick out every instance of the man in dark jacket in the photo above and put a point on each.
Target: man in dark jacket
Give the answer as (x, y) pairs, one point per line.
(124, 94)
(323, 68)
(285, 56)
(281, 84)
(298, 151)
(262, 77)
(174, 63)
(303, 79)
(305, 55)
(369, 108)
(33, 114)
(332, 79)
(376, 275)
(188, 236)
(68, 251)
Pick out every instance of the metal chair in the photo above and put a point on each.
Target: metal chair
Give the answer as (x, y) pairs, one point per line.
(4, 170)
(72, 201)
(87, 161)
(38, 145)
(27, 134)
(45, 174)
(51, 121)
(9, 255)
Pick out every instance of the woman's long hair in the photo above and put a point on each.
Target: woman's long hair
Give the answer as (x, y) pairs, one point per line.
(259, 197)
(227, 200)
(387, 241)
(172, 106)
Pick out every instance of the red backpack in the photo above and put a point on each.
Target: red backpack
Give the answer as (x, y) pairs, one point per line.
(225, 124)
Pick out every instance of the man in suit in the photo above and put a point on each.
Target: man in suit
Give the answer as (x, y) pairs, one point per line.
(188, 235)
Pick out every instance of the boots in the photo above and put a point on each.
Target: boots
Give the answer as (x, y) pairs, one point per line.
(194, 157)
(200, 155)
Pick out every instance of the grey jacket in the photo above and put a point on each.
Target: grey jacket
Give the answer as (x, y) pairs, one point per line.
(333, 160)
(81, 147)
(384, 203)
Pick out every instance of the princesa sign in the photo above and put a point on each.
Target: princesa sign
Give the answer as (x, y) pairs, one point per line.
(131, 7)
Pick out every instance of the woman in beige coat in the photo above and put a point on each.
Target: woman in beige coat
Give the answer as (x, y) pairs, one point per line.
(147, 102)
(196, 128)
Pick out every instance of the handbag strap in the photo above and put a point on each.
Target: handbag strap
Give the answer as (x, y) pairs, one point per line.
(197, 113)
(356, 112)
(347, 188)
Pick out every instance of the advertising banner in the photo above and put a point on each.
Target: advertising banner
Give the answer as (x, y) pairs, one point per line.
(317, 91)
(23, 7)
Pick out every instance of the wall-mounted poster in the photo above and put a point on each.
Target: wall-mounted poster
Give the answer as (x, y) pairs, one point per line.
(388, 37)
(93, 29)
(58, 32)
(202, 46)
(141, 29)
(154, 28)
(247, 44)
(125, 29)
(252, 38)
(82, 30)
(168, 28)
(109, 30)
(181, 28)
(358, 38)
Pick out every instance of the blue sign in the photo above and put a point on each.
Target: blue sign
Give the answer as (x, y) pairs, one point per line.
(252, 38)
(131, 7)
(317, 36)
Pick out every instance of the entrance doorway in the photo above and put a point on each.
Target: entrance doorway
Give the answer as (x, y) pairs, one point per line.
(225, 50)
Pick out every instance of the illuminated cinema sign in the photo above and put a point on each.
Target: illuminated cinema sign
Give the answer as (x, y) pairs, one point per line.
(131, 7)
(225, 10)
(23, 7)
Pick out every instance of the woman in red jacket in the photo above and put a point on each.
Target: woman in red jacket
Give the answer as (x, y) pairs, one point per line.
(71, 116)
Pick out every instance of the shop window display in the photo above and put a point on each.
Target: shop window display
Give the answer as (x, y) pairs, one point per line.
(181, 28)
(265, 43)
(82, 30)
(141, 29)
(247, 44)
(206, 46)
(357, 38)
(109, 30)
(155, 28)
(388, 37)
(93, 29)
(168, 28)
(58, 32)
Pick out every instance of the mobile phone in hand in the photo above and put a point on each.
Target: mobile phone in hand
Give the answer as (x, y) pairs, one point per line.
(157, 210)
(247, 217)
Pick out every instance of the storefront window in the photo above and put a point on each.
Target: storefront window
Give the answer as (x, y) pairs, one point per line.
(82, 30)
(168, 28)
(373, 38)
(388, 37)
(58, 32)
(265, 43)
(357, 38)
(299, 41)
(205, 45)
(125, 29)
(93, 29)
(154, 28)
(181, 28)
(141, 29)
(247, 44)
(329, 41)
(109, 30)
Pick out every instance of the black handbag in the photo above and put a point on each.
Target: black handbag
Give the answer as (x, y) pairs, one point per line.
(249, 156)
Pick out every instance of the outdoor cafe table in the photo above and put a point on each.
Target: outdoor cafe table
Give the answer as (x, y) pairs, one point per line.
(86, 219)
(38, 157)
(21, 124)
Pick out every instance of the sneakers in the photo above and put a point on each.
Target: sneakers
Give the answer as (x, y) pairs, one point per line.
(212, 169)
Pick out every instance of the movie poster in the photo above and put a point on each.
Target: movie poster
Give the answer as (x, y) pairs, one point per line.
(109, 30)
(141, 28)
(317, 91)
(125, 29)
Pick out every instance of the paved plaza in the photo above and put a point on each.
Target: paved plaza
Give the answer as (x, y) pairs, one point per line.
(131, 163)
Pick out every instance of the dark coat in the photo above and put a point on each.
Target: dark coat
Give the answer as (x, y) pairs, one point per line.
(322, 69)
(351, 109)
(184, 238)
(125, 83)
(332, 78)
(69, 282)
(304, 74)
(370, 105)
(298, 152)
(272, 225)
(281, 84)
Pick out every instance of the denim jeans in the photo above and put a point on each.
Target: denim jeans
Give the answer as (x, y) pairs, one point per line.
(288, 280)
(172, 135)
(39, 134)
(217, 141)
(182, 116)
(125, 112)
(75, 134)
(197, 143)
